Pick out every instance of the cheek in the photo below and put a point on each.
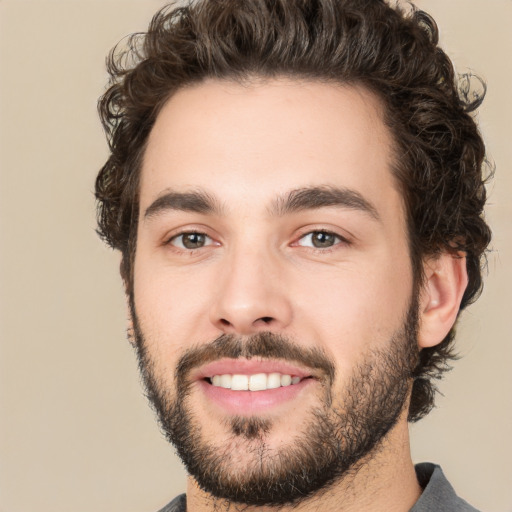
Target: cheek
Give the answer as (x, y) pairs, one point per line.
(354, 311)
(172, 306)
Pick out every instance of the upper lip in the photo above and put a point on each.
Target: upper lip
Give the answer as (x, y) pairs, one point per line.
(250, 367)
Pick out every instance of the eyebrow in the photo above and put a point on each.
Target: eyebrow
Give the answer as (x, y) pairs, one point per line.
(307, 198)
(196, 202)
(311, 198)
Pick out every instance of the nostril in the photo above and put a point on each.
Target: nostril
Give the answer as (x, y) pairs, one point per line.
(224, 322)
(266, 319)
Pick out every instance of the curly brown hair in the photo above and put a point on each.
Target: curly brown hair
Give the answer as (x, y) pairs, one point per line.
(439, 153)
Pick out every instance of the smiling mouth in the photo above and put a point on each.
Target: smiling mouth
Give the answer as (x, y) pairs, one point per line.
(252, 386)
(254, 382)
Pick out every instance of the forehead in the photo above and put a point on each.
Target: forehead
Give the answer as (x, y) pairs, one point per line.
(263, 138)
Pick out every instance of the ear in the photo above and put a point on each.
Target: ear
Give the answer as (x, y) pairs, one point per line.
(446, 279)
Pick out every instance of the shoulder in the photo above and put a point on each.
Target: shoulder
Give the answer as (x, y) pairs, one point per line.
(178, 504)
(437, 494)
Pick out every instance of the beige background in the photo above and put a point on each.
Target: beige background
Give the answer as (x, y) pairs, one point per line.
(76, 434)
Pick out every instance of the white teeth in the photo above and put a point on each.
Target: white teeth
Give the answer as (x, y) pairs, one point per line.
(240, 382)
(286, 380)
(225, 381)
(256, 382)
(273, 380)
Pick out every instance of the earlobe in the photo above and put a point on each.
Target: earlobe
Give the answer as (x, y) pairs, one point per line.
(445, 282)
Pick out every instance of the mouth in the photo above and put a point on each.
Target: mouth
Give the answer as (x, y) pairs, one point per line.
(254, 382)
(245, 387)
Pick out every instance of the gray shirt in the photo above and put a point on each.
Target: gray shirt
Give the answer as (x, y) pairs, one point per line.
(438, 495)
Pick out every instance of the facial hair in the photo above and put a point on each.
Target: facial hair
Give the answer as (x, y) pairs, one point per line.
(340, 432)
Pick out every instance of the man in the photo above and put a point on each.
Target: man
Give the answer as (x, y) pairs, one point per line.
(296, 190)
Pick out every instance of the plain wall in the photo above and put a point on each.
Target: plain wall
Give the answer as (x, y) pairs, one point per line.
(76, 433)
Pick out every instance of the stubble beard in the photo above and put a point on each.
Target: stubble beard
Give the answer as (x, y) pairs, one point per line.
(338, 435)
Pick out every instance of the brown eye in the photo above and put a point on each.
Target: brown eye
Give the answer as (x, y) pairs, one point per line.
(191, 241)
(320, 240)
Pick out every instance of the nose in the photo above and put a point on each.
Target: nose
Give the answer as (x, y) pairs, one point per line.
(250, 297)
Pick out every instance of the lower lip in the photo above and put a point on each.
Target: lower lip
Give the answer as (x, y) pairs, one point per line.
(250, 402)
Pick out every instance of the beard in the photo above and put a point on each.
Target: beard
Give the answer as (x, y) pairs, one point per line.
(339, 434)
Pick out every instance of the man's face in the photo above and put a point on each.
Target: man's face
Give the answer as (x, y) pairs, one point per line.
(272, 246)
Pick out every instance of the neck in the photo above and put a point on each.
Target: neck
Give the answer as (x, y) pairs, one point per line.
(385, 480)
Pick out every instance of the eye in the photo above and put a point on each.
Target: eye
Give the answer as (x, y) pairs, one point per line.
(190, 241)
(319, 240)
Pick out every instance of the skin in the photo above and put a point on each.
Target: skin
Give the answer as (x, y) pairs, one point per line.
(248, 147)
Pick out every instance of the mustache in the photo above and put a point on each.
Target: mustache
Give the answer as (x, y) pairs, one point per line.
(266, 345)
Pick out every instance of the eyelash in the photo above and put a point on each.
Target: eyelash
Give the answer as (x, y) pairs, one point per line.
(340, 240)
(187, 233)
(322, 250)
